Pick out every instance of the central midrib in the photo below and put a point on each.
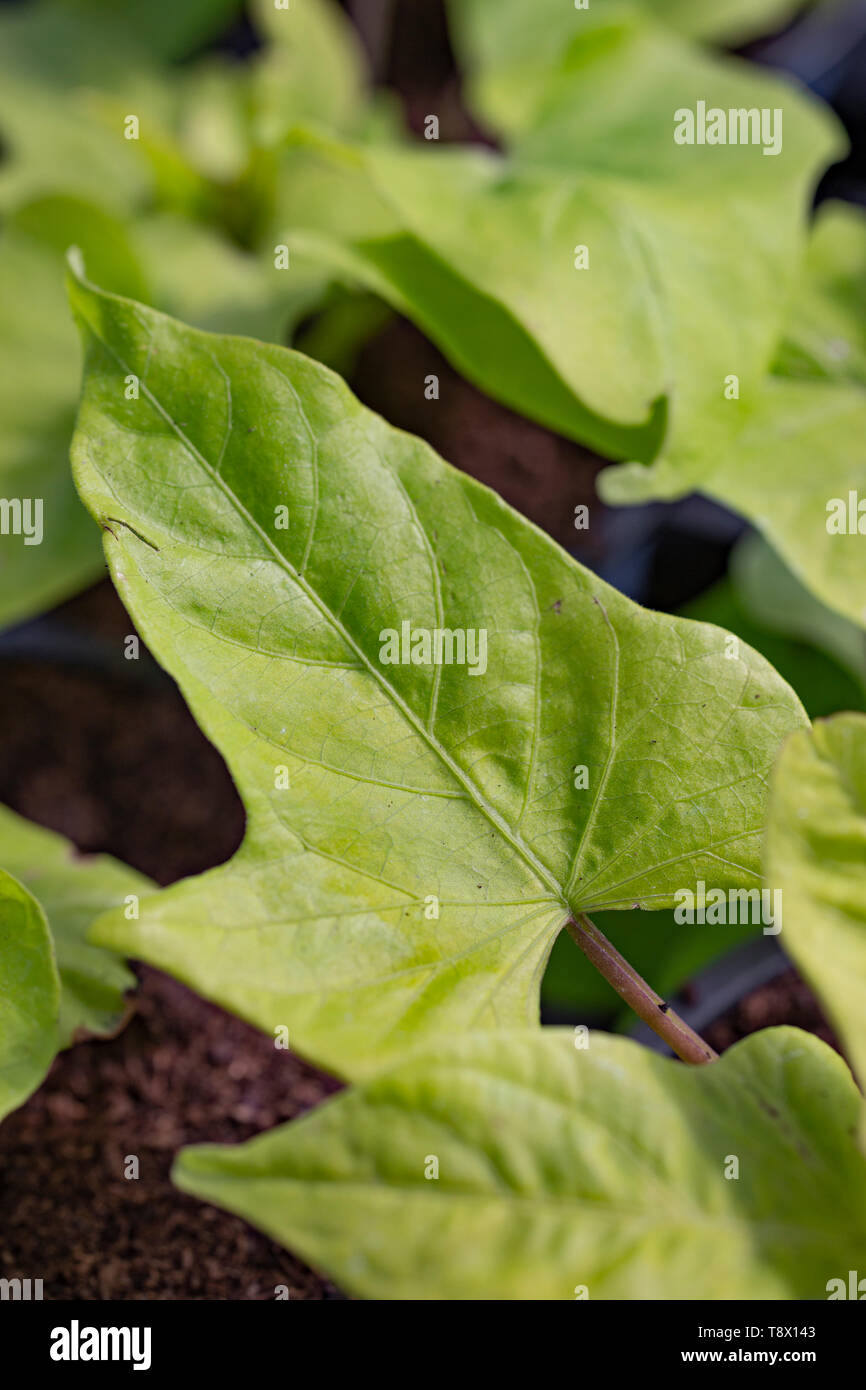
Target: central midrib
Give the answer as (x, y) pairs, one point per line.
(498, 822)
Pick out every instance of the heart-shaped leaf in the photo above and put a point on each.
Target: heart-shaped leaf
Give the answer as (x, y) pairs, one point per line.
(508, 1167)
(816, 853)
(484, 252)
(29, 995)
(574, 278)
(72, 889)
(419, 827)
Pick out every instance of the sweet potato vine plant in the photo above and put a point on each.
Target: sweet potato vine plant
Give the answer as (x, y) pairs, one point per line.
(419, 833)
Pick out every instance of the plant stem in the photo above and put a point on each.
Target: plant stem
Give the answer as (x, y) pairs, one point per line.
(631, 987)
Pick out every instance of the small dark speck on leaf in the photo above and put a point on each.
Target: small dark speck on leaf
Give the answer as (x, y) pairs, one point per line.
(664, 1008)
(557, 606)
(653, 740)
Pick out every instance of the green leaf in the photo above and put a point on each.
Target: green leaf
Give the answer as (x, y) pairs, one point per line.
(480, 249)
(195, 273)
(767, 470)
(165, 28)
(524, 62)
(500, 39)
(816, 853)
(825, 333)
(728, 21)
(29, 995)
(55, 67)
(823, 657)
(779, 601)
(313, 69)
(213, 126)
(481, 258)
(179, 264)
(819, 653)
(73, 889)
(408, 784)
(39, 368)
(558, 1168)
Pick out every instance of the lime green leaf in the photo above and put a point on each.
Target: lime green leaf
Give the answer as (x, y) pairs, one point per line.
(482, 259)
(728, 21)
(816, 853)
(29, 995)
(416, 832)
(825, 333)
(483, 251)
(818, 652)
(312, 70)
(179, 264)
(214, 119)
(73, 889)
(39, 370)
(526, 63)
(775, 598)
(812, 408)
(823, 657)
(560, 1170)
(197, 274)
(497, 40)
(55, 69)
(799, 455)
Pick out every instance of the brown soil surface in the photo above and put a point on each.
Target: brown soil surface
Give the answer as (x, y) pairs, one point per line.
(785, 1000)
(540, 474)
(182, 1072)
